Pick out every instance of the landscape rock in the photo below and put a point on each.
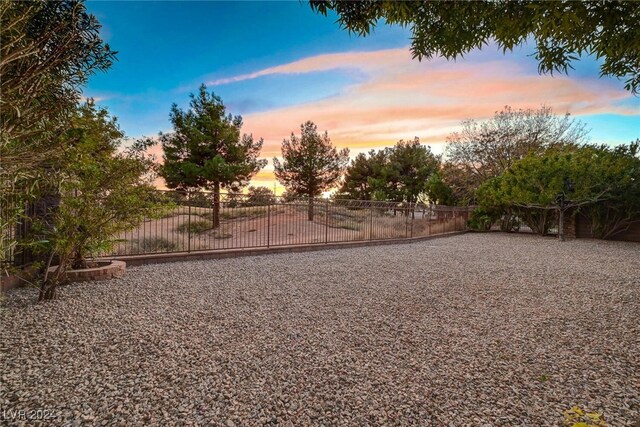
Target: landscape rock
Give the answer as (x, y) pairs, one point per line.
(476, 329)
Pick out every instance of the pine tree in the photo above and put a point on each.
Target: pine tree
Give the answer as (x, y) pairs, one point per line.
(310, 164)
(357, 180)
(206, 150)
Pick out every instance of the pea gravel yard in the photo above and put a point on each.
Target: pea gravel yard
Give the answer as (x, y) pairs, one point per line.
(476, 329)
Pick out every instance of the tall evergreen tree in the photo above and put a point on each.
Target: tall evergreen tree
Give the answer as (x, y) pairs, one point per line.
(207, 151)
(357, 180)
(408, 168)
(310, 164)
(399, 173)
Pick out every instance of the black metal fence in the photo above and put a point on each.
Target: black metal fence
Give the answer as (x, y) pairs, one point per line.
(194, 223)
(15, 227)
(199, 221)
(514, 224)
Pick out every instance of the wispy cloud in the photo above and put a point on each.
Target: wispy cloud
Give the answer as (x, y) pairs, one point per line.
(401, 98)
(95, 98)
(356, 60)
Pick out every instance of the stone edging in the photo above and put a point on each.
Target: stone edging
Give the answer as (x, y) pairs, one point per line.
(104, 272)
(134, 260)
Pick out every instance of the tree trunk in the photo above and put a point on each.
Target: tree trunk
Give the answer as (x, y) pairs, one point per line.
(216, 205)
(50, 283)
(43, 209)
(79, 262)
(47, 291)
(310, 210)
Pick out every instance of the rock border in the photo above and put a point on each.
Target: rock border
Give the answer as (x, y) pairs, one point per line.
(106, 270)
(163, 257)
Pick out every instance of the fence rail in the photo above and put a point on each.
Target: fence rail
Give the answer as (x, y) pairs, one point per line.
(195, 224)
(16, 227)
(199, 221)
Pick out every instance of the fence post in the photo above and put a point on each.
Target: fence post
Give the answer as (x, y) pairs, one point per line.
(268, 224)
(560, 216)
(406, 223)
(371, 222)
(326, 221)
(189, 225)
(413, 218)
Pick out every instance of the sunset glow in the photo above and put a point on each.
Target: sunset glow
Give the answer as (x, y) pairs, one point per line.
(366, 92)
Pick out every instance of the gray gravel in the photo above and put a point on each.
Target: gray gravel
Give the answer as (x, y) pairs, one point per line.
(478, 329)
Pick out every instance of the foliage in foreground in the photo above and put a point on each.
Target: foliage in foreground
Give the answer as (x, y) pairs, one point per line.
(578, 417)
(48, 51)
(102, 192)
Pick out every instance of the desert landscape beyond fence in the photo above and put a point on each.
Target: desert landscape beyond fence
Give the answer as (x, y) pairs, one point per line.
(193, 223)
(200, 221)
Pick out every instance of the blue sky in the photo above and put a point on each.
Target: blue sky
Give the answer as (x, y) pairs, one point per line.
(279, 63)
(167, 49)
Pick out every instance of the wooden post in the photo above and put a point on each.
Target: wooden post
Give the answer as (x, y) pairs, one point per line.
(189, 228)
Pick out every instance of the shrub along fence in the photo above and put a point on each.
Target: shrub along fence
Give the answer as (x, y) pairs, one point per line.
(16, 227)
(199, 221)
(516, 224)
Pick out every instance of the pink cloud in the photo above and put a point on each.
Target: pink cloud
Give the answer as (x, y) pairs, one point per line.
(344, 60)
(403, 98)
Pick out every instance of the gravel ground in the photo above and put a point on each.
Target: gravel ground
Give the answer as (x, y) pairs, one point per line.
(477, 329)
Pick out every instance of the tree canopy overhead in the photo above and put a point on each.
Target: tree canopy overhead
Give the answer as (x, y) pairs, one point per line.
(560, 31)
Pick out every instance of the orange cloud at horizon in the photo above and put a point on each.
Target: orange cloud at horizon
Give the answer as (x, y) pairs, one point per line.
(403, 98)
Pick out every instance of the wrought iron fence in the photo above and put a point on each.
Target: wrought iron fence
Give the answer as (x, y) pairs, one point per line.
(515, 224)
(197, 222)
(15, 226)
(200, 221)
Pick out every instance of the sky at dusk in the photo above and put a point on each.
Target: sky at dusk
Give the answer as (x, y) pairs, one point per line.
(279, 64)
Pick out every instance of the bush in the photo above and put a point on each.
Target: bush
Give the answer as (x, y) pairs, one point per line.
(481, 220)
(509, 223)
(260, 196)
(157, 244)
(248, 213)
(102, 192)
(195, 226)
